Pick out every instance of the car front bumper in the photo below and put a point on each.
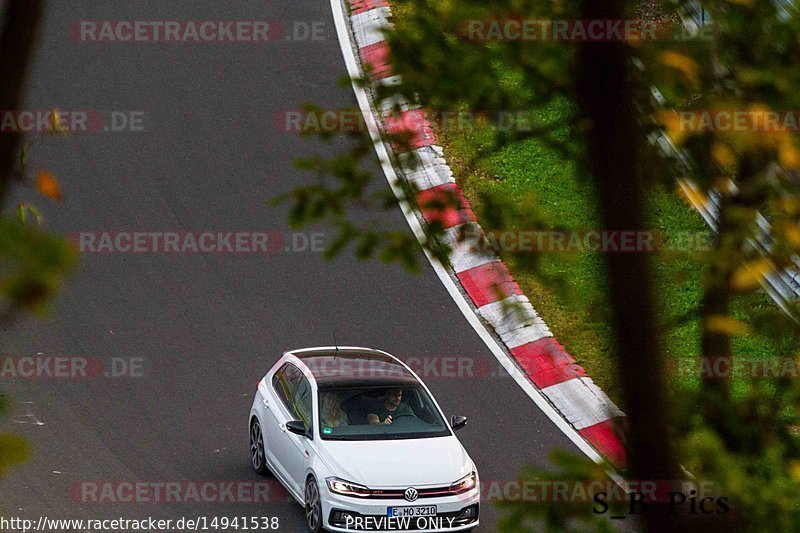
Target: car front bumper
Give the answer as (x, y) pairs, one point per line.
(346, 514)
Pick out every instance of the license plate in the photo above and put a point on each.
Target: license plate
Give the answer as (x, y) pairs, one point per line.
(428, 510)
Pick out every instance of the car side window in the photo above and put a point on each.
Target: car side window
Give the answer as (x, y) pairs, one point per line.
(285, 381)
(302, 405)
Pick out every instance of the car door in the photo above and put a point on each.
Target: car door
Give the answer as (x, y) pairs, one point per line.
(292, 391)
(298, 447)
(276, 405)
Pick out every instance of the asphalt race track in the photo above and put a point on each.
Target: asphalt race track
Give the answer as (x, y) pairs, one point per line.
(206, 326)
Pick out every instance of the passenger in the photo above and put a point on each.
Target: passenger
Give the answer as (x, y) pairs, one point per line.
(390, 408)
(333, 416)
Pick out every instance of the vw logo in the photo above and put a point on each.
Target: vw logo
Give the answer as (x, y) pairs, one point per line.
(411, 494)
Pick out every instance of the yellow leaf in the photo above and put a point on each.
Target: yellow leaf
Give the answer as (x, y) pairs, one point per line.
(673, 125)
(47, 185)
(726, 325)
(790, 206)
(23, 209)
(794, 469)
(788, 155)
(791, 233)
(54, 123)
(696, 197)
(749, 275)
(13, 450)
(682, 63)
(723, 155)
(723, 184)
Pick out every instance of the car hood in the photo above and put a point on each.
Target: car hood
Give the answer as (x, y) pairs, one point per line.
(398, 463)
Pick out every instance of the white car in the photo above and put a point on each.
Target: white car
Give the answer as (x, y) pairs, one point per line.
(358, 441)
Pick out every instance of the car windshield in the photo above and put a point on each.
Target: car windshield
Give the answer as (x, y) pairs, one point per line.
(379, 413)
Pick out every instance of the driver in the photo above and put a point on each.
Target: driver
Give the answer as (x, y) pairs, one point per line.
(391, 407)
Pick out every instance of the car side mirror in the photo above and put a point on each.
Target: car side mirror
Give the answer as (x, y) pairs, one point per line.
(298, 428)
(458, 422)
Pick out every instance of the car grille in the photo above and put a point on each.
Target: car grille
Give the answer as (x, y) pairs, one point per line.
(398, 494)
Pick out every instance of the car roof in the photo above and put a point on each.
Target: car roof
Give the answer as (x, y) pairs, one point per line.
(349, 366)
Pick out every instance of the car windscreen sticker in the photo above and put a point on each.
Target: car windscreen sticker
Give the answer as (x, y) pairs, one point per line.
(327, 431)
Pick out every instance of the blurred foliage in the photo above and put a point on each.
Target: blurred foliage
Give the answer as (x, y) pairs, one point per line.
(32, 267)
(13, 449)
(33, 264)
(745, 435)
(552, 514)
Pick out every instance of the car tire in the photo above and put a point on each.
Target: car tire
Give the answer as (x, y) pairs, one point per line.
(313, 506)
(258, 459)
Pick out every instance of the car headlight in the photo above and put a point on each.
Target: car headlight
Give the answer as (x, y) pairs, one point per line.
(464, 484)
(340, 486)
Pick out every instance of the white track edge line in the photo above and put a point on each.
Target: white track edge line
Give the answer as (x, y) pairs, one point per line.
(355, 73)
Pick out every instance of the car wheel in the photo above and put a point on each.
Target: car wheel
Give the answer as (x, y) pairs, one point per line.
(257, 457)
(313, 506)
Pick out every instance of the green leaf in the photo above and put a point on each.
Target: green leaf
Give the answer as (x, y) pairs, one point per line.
(13, 450)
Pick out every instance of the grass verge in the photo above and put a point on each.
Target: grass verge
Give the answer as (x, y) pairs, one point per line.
(568, 288)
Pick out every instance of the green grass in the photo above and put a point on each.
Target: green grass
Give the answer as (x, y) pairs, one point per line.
(568, 288)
